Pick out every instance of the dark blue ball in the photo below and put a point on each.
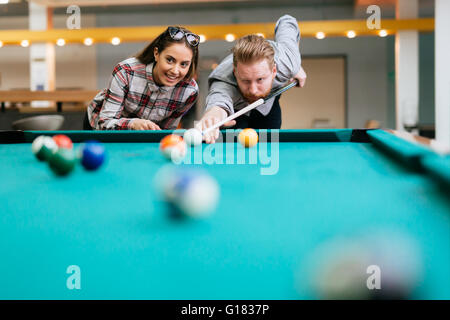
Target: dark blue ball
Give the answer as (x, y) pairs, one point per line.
(93, 155)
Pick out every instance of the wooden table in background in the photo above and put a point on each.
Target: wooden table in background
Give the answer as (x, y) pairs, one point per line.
(58, 96)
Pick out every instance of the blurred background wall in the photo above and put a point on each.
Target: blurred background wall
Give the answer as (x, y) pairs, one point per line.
(350, 81)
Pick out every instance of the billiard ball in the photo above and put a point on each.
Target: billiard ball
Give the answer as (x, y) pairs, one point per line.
(63, 141)
(378, 265)
(196, 193)
(193, 193)
(248, 138)
(43, 147)
(399, 260)
(62, 162)
(173, 147)
(164, 180)
(92, 155)
(337, 270)
(193, 137)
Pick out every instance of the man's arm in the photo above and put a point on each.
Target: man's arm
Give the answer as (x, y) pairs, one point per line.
(109, 116)
(219, 105)
(288, 58)
(214, 115)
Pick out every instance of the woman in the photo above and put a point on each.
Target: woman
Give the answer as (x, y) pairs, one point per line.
(152, 90)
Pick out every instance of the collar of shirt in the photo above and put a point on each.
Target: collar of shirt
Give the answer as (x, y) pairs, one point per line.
(151, 81)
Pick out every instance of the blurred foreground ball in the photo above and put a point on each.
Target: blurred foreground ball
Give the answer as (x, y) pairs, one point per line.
(378, 265)
(193, 192)
(339, 271)
(399, 259)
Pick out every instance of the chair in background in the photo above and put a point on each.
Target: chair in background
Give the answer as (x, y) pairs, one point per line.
(39, 123)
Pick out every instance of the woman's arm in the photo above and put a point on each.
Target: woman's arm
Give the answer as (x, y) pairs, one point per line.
(110, 116)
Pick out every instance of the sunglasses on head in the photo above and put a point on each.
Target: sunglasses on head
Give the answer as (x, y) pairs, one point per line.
(178, 34)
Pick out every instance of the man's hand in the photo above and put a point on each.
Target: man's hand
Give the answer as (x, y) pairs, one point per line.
(301, 77)
(209, 119)
(142, 124)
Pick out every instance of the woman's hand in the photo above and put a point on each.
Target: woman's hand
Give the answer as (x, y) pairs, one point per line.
(142, 124)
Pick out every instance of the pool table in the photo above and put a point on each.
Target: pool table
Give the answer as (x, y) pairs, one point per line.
(107, 234)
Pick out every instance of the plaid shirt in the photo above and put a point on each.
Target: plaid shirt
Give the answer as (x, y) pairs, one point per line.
(132, 93)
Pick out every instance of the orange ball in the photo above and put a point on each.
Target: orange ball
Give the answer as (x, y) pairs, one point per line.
(173, 147)
(248, 138)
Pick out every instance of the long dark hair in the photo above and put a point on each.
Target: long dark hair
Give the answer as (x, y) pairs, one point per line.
(163, 41)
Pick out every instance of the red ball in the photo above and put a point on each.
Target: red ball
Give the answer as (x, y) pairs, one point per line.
(63, 141)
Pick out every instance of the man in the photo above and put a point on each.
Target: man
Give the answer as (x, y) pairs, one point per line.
(254, 69)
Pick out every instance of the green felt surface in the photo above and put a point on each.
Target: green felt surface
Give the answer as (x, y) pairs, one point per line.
(112, 224)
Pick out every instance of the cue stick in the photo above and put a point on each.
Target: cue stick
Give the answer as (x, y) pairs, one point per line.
(251, 106)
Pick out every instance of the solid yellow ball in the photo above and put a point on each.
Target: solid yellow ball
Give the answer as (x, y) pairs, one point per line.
(248, 138)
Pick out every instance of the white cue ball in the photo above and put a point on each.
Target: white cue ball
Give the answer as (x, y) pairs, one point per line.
(193, 137)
